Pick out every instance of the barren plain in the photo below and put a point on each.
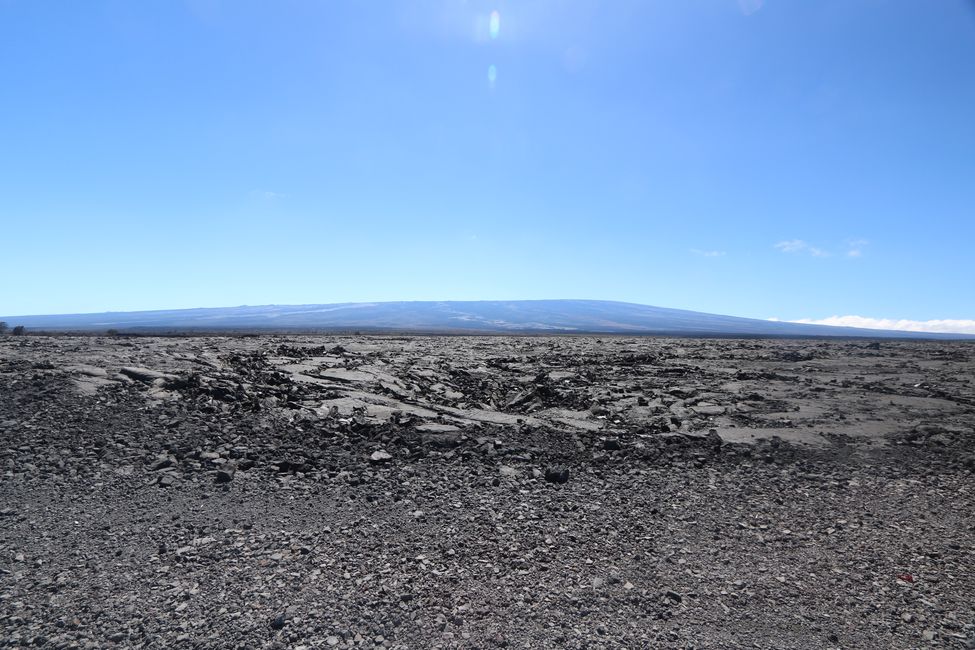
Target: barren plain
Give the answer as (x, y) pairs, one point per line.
(417, 492)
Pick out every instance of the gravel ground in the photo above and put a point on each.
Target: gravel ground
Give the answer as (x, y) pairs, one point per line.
(289, 492)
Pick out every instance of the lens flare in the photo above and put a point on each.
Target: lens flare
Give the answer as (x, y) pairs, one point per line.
(492, 74)
(495, 26)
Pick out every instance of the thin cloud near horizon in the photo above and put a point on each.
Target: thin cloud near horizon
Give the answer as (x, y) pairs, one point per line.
(943, 326)
(854, 248)
(800, 246)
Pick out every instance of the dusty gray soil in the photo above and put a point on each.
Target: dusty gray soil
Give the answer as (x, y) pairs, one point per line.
(407, 492)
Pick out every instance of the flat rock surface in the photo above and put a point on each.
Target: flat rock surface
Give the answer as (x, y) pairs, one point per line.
(418, 492)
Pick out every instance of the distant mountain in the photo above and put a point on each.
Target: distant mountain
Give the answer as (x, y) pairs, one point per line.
(487, 316)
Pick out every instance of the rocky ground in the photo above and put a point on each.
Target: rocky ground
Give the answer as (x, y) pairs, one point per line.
(290, 492)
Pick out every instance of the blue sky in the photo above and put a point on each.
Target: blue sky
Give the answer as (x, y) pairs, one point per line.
(780, 159)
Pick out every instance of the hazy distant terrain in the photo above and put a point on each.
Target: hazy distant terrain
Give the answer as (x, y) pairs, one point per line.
(488, 316)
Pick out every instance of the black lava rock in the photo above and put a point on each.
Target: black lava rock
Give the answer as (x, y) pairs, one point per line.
(557, 475)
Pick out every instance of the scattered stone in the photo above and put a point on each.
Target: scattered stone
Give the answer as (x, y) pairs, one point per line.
(442, 439)
(162, 462)
(226, 473)
(379, 457)
(673, 596)
(557, 475)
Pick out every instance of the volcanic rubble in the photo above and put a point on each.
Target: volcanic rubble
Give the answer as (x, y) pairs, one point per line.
(418, 492)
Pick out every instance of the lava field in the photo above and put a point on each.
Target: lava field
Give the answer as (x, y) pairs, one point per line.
(486, 492)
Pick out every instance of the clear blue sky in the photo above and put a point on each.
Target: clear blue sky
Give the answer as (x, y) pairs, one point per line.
(784, 159)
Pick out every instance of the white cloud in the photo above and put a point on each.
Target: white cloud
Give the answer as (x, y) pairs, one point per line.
(952, 326)
(855, 247)
(698, 251)
(799, 246)
(267, 195)
(791, 246)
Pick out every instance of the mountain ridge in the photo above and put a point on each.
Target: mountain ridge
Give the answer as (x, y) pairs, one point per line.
(562, 316)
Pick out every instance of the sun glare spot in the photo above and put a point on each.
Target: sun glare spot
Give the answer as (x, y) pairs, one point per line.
(495, 26)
